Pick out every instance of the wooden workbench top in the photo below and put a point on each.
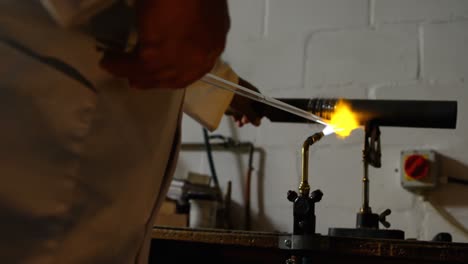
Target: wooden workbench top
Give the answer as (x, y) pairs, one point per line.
(433, 252)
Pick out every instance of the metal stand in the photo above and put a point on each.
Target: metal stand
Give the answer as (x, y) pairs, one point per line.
(304, 205)
(367, 222)
(304, 208)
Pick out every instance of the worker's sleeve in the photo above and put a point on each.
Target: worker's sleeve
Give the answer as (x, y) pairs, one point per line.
(206, 103)
(70, 13)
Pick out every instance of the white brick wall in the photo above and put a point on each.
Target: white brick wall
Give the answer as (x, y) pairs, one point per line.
(362, 55)
(251, 14)
(303, 16)
(256, 59)
(376, 49)
(445, 51)
(394, 11)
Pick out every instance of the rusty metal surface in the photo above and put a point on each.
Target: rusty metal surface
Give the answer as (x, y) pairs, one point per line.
(214, 236)
(398, 249)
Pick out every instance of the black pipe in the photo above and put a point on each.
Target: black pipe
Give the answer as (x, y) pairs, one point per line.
(392, 113)
(209, 154)
(248, 185)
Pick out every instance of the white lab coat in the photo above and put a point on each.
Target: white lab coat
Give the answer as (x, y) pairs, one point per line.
(82, 171)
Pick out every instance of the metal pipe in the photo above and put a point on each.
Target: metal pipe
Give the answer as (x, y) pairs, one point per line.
(365, 189)
(209, 154)
(304, 187)
(392, 113)
(248, 185)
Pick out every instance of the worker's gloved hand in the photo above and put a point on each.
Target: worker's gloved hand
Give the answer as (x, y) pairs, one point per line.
(179, 41)
(244, 110)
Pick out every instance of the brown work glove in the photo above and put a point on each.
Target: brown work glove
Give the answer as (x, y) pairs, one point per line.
(179, 41)
(245, 110)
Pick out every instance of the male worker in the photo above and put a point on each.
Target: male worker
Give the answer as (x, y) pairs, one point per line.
(85, 157)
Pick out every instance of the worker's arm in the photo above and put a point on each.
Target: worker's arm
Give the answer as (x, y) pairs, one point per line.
(178, 42)
(207, 104)
(244, 110)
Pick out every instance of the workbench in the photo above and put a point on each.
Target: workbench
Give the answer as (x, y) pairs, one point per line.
(184, 245)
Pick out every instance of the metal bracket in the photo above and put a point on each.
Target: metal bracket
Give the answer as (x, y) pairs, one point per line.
(372, 148)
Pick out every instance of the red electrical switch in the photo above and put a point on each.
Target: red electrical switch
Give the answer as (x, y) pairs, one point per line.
(416, 167)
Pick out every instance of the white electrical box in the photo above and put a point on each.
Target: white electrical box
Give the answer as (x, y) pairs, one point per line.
(418, 170)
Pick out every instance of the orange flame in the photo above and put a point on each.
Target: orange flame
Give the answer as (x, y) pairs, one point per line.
(343, 120)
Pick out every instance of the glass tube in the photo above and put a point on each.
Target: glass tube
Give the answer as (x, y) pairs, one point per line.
(242, 91)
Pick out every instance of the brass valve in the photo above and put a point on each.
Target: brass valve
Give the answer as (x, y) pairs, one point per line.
(304, 187)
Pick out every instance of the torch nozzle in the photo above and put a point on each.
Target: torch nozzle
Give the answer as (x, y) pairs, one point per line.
(304, 187)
